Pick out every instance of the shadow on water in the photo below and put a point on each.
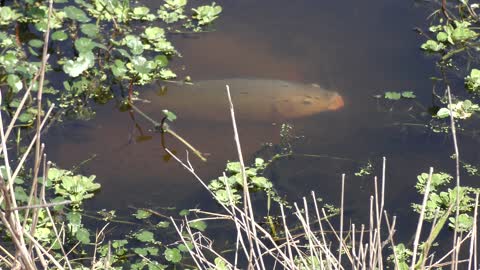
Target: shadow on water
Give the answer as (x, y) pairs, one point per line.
(359, 49)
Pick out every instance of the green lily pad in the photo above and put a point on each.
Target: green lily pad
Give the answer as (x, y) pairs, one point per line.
(173, 255)
(76, 14)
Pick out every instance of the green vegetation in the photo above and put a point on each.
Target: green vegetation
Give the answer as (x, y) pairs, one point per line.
(399, 95)
(455, 33)
(95, 47)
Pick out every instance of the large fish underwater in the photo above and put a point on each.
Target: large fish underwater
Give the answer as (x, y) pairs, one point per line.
(256, 100)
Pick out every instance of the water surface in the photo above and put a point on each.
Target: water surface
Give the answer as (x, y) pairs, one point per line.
(357, 48)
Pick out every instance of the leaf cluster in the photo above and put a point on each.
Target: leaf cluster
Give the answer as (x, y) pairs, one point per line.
(228, 188)
(93, 46)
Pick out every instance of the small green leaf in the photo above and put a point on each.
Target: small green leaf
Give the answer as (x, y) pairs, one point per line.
(170, 115)
(393, 95)
(442, 37)
(84, 45)
(234, 167)
(59, 35)
(432, 46)
(184, 212)
(26, 117)
(142, 214)
(76, 14)
(199, 225)
(163, 224)
(154, 33)
(220, 264)
(141, 251)
(259, 162)
(118, 69)
(462, 34)
(35, 43)
(408, 94)
(472, 81)
(134, 43)
(83, 235)
(185, 248)
(140, 12)
(145, 236)
(206, 14)
(262, 182)
(173, 255)
(14, 82)
(7, 15)
(89, 29)
(82, 63)
(20, 194)
(443, 113)
(161, 61)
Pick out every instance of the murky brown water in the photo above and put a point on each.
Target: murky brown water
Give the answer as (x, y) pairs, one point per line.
(357, 48)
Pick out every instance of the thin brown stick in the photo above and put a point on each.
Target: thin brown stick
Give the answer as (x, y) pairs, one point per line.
(247, 204)
(390, 237)
(420, 219)
(457, 173)
(342, 199)
(473, 238)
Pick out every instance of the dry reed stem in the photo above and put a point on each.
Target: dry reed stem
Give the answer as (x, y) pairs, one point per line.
(42, 249)
(440, 261)
(420, 219)
(473, 239)
(391, 230)
(54, 227)
(239, 239)
(247, 204)
(370, 234)
(99, 237)
(457, 176)
(11, 219)
(341, 220)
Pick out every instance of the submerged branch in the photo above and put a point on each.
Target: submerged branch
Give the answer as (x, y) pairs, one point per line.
(165, 128)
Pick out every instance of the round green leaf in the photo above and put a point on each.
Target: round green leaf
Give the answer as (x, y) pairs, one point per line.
(393, 95)
(199, 225)
(170, 115)
(134, 43)
(84, 45)
(59, 35)
(145, 236)
(154, 33)
(118, 68)
(76, 14)
(89, 29)
(163, 224)
(142, 214)
(161, 61)
(36, 43)
(82, 63)
(14, 82)
(173, 255)
(408, 94)
(83, 235)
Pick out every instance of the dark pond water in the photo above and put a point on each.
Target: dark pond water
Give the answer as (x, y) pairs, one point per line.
(357, 48)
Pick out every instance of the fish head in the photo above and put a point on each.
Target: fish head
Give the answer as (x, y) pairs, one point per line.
(302, 105)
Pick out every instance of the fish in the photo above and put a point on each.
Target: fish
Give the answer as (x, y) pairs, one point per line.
(256, 100)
